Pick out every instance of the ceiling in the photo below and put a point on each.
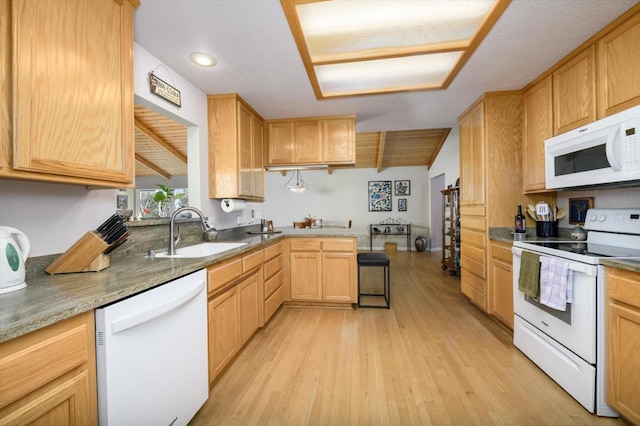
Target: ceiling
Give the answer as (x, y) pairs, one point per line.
(257, 58)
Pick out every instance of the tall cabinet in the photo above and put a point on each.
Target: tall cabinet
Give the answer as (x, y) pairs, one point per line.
(490, 185)
(451, 230)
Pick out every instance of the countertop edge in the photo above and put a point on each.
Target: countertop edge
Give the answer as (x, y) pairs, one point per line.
(49, 299)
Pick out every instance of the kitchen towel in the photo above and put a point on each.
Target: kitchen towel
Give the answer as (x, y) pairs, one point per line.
(556, 283)
(529, 279)
(231, 205)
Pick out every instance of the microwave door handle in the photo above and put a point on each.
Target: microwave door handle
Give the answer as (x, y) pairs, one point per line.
(611, 149)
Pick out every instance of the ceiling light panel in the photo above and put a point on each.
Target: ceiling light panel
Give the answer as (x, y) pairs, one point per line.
(383, 75)
(336, 27)
(354, 47)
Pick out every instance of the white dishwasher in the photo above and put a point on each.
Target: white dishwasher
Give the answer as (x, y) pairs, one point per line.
(151, 352)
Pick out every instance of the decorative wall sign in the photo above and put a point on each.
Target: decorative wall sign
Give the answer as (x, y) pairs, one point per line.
(578, 209)
(402, 204)
(164, 90)
(403, 187)
(380, 196)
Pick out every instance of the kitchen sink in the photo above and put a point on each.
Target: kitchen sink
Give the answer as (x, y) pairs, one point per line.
(201, 250)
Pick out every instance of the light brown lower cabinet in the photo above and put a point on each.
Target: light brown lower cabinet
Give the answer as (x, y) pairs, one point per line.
(224, 331)
(49, 376)
(323, 269)
(501, 282)
(273, 280)
(623, 342)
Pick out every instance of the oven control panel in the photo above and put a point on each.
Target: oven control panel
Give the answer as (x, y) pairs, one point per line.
(626, 220)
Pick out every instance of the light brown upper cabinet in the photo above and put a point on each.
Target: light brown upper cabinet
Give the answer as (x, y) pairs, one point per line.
(472, 158)
(70, 94)
(618, 68)
(236, 168)
(574, 92)
(322, 140)
(538, 126)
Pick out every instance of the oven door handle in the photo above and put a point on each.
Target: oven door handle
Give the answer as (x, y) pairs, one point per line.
(582, 268)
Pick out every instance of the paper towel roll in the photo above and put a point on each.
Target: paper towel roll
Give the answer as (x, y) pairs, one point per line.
(230, 205)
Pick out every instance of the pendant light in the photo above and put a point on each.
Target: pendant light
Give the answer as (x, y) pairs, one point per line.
(299, 186)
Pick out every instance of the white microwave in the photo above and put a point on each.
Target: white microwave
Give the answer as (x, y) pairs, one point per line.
(605, 152)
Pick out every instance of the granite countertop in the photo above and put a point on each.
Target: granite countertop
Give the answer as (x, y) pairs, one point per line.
(52, 298)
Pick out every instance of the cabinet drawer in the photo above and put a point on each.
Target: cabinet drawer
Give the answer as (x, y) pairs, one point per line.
(272, 304)
(473, 260)
(272, 266)
(272, 284)
(272, 251)
(337, 244)
(252, 261)
(219, 275)
(472, 210)
(502, 252)
(30, 361)
(304, 244)
(472, 222)
(468, 236)
(624, 286)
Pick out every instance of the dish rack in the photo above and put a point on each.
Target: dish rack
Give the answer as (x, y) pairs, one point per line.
(86, 255)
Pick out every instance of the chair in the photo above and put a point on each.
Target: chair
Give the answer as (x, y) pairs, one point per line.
(366, 260)
(299, 224)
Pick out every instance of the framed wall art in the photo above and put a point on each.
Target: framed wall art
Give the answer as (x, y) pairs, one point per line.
(578, 209)
(403, 187)
(379, 195)
(402, 204)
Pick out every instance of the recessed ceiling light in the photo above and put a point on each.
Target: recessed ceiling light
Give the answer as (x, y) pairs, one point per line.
(203, 59)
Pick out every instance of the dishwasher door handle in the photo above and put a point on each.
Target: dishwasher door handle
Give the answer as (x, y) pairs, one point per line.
(118, 326)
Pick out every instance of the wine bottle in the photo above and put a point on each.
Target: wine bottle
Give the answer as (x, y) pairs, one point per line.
(520, 221)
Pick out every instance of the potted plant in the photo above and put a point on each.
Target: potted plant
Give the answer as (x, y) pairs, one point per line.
(165, 197)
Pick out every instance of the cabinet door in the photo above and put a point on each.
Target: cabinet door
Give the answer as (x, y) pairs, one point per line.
(623, 342)
(574, 92)
(5, 93)
(249, 295)
(64, 403)
(472, 158)
(305, 276)
(280, 142)
(258, 157)
(307, 142)
(538, 125)
(339, 141)
(73, 89)
(501, 283)
(338, 277)
(618, 65)
(224, 331)
(245, 148)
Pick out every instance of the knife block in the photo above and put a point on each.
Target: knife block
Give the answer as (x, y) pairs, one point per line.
(86, 255)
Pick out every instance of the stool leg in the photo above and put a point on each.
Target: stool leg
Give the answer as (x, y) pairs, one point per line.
(358, 285)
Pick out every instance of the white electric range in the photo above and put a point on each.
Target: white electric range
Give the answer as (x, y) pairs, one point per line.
(569, 344)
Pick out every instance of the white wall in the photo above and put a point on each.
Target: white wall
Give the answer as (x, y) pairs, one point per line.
(335, 198)
(448, 160)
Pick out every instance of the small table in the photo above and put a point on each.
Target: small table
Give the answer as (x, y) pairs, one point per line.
(392, 228)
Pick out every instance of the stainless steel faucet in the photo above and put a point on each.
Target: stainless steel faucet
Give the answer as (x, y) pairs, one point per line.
(209, 232)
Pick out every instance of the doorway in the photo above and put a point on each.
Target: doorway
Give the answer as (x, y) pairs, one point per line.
(436, 185)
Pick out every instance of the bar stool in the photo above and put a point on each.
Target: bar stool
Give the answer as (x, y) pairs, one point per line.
(366, 260)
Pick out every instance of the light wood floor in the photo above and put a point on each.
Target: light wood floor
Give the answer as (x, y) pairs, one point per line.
(433, 359)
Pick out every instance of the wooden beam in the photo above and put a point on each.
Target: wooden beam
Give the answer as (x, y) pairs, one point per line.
(381, 141)
(152, 166)
(157, 139)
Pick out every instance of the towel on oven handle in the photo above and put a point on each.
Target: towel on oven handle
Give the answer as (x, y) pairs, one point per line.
(529, 279)
(556, 283)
